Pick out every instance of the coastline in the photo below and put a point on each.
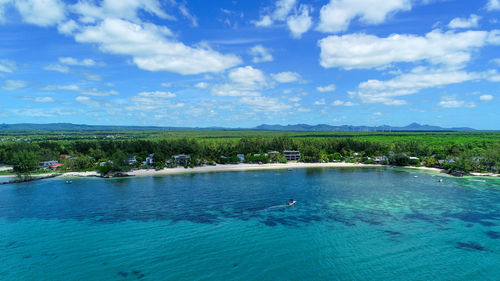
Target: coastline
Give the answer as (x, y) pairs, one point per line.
(253, 167)
(243, 167)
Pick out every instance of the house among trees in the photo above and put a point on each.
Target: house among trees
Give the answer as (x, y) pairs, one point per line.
(132, 160)
(242, 157)
(291, 155)
(381, 159)
(149, 160)
(181, 159)
(47, 164)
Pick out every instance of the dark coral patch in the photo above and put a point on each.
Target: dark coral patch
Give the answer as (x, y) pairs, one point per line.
(470, 246)
(493, 234)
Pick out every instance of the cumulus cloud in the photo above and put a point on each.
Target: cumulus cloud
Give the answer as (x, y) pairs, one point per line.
(7, 66)
(41, 12)
(89, 101)
(435, 47)
(286, 77)
(320, 102)
(152, 48)
(118, 9)
(472, 21)
(76, 62)
(264, 104)
(328, 88)
(261, 54)
(337, 15)
(343, 103)
(39, 99)
(201, 85)
(247, 76)
(298, 20)
(157, 94)
(57, 67)
(486, 97)
(157, 101)
(452, 102)
(386, 92)
(75, 88)
(493, 5)
(12, 85)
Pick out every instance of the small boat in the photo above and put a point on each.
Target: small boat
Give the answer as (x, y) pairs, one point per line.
(440, 180)
(291, 203)
(69, 182)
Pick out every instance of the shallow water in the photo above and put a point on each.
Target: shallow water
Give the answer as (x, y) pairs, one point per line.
(348, 224)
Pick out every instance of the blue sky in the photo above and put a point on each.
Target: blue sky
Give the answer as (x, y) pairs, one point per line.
(244, 63)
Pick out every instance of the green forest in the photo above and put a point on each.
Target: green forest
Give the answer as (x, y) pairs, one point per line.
(108, 151)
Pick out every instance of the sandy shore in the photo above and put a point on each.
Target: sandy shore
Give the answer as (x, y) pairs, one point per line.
(239, 167)
(250, 167)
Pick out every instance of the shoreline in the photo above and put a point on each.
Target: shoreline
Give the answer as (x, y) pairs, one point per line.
(254, 167)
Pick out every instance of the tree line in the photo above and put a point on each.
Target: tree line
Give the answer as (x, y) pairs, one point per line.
(86, 154)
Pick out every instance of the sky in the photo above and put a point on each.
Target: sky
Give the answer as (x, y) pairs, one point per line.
(242, 63)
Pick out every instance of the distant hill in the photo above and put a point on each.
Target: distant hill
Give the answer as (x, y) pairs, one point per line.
(348, 128)
(263, 127)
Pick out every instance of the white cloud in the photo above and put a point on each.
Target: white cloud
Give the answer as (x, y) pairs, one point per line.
(50, 112)
(472, 21)
(7, 66)
(67, 27)
(157, 101)
(343, 103)
(41, 12)
(57, 67)
(295, 99)
(152, 49)
(386, 92)
(233, 90)
(247, 76)
(261, 54)
(39, 99)
(328, 88)
(486, 97)
(338, 14)
(11, 85)
(286, 77)
(157, 94)
(493, 5)
(300, 22)
(362, 51)
(201, 85)
(118, 9)
(452, 102)
(283, 8)
(88, 101)
(264, 104)
(75, 88)
(76, 62)
(265, 21)
(185, 12)
(320, 102)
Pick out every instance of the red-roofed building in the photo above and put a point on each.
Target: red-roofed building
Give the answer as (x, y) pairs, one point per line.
(54, 166)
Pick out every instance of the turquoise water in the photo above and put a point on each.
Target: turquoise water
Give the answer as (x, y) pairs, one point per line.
(348, 224)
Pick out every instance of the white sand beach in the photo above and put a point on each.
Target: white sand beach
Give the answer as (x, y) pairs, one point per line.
(238, 167)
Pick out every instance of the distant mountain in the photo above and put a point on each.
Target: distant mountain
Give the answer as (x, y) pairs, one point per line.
(263, 127)
(78, 127)
(349, 128)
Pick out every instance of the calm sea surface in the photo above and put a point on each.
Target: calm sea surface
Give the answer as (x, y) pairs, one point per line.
(348, 224)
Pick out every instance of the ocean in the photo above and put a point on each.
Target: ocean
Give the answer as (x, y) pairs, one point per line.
(348, 224)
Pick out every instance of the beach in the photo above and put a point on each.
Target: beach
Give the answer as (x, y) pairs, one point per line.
(240, 167)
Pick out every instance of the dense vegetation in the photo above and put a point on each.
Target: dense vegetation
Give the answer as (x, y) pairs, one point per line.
(108, 151)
